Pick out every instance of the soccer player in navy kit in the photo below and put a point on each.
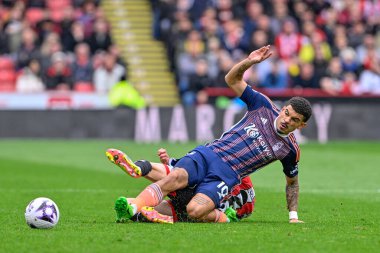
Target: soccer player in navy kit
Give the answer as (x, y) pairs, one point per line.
(262, 136)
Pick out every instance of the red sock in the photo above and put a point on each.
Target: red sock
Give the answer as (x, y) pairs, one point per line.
(150, 196)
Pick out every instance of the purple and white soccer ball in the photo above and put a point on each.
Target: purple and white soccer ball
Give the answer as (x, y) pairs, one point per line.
(42, 213)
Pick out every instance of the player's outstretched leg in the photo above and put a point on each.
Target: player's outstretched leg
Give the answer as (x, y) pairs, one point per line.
(124, 162)
(124, 211)
(152, 215)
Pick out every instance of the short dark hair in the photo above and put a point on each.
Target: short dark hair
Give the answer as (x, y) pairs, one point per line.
(302, 106)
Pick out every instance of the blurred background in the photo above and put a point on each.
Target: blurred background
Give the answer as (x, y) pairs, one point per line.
(153, 70)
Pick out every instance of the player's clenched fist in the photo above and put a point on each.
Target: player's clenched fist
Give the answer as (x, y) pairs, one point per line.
(164, 157)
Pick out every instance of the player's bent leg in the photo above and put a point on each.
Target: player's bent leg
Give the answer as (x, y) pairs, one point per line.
(177, 179)
(124, 211)
(153, 194)
(158, 172)
(123, 162)
(200, 208)
(154, 216)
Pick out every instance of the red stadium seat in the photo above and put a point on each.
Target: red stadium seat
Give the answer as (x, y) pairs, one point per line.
(8, 76)
(83, 87)
(57, 15)
(7, 87)
(57, 4)
(6, 63)
(34, 15)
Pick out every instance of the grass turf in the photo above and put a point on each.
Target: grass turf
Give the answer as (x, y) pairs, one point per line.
(339, 201)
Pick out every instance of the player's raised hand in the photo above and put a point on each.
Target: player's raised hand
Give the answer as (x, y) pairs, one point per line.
(260, 54)
(164, 157)
(295, 221)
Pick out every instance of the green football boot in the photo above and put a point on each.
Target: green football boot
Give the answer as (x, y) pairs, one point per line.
(231, 214)
(124, 210)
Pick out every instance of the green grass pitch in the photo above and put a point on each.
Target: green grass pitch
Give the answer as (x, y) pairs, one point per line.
(339, 202)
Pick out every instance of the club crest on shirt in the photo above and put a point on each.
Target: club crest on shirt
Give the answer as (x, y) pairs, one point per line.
(252, 131)
(277, 146)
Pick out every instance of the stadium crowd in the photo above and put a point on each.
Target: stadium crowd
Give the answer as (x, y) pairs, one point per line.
(57, 45)
(326, 45)
(317, 44)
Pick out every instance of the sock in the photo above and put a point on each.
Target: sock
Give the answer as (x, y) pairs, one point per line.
(150, 196)
(145, 167)
(220, 217)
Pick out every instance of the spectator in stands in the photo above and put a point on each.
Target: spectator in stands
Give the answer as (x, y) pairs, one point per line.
(73, 37)
(36, 4)
(306, 78)
(367, 50)
(198, 82)
(65, 24)
(28, 49)
(82, 67)
(289, 41)
(263, 24)
(3, 39)
(59, 74)
(369, 80)
(107, 75)
(349, 60)
(276, 78)
(13, 28)
(224, 64)
(44, 28)
(332, 82)
(115, 51)
(87, 17)
(192, 49)
(314, 45)
(100, 38)
(30, 80)
(52, 44)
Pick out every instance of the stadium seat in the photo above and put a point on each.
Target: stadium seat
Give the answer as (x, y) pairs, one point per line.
(83, 87)
(7, 87)
(57, 15)
(8, 76)
(6, 63)
(34, 15)
(57, 4)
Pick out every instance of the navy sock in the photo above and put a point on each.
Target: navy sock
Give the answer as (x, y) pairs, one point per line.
(145, 166)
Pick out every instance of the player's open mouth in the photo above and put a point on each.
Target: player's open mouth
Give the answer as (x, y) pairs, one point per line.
(283, 126)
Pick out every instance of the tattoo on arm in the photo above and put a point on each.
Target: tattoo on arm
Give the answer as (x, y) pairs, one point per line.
(237, 72)
(200, 200)
(292, 193)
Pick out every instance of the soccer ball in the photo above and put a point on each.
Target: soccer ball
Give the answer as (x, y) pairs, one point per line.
(42, 213)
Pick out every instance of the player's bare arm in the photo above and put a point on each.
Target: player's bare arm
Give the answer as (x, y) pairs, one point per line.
(292, 196)
(234, 77)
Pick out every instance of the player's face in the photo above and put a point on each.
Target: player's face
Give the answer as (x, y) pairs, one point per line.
(289, 120)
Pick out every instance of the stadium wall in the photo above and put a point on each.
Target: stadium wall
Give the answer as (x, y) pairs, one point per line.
(331, 121)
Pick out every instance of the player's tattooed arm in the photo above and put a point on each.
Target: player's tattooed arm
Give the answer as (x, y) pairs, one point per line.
(292, 193)
(234, 77)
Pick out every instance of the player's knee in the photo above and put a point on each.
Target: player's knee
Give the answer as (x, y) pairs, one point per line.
(195, 211)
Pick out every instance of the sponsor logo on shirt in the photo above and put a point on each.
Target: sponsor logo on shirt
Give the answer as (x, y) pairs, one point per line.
(252, 131)
(264, 120)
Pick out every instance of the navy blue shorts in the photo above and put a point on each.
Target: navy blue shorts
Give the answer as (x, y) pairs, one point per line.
(208, 173)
